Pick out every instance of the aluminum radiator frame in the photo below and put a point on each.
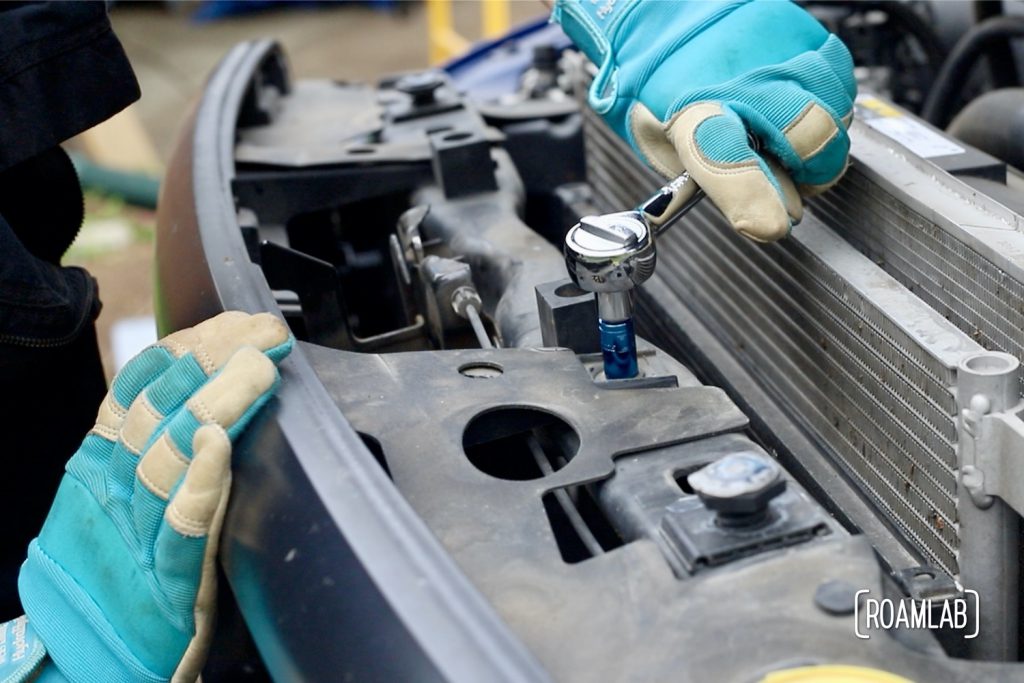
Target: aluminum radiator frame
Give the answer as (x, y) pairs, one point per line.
(854, 327)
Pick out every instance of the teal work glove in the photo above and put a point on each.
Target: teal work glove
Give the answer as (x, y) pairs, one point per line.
(23, 657)
(684, 82)
(120, 583)
(21, 651)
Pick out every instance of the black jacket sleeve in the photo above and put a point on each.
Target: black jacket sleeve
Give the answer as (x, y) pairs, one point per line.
(62, 71)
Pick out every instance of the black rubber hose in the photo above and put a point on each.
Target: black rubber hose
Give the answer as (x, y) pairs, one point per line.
(1001, 62)
(903, 18)
(906, 20)
(943, 98)
(994, 123)
(903, 23)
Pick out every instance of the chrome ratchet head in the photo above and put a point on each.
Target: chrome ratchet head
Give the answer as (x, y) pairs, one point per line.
(613, 252)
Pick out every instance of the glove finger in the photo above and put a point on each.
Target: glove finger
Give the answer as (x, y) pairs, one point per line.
(804, 134)
(211, 343)
(823, 146)
(230, 399)
(214, 341)
(108, 469)
(159, 471)
(127, 385)
(192, 505)
(813, 148)
(835, 53)
(196, 504)
(713, 145)
(148, 411)
(197, 496)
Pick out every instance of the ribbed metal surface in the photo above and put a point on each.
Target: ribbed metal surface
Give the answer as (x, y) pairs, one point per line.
(816, 322)
(970, 290)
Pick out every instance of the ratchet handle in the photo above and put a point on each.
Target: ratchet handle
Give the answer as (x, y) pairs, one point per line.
(670, 203)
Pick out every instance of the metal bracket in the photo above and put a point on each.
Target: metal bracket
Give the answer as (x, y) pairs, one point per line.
(991, 433)
(990, 454)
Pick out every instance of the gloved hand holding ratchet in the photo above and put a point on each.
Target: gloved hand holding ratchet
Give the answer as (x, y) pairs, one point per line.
(690, 83)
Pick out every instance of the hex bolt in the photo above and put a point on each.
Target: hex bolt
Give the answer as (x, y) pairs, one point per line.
(739, 488)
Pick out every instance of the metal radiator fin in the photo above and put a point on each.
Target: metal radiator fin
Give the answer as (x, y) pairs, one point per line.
(850, 353)
(971, 291)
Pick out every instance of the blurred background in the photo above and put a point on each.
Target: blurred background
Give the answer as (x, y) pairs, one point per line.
(173, 46)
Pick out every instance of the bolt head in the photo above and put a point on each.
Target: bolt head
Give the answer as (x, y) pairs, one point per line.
(739, 483)
(421, 86)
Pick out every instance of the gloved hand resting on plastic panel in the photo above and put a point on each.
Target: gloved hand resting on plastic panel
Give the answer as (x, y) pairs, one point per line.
(120, 583)
(685, 81)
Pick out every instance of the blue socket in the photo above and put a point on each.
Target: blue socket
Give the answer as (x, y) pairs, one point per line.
(618, 346)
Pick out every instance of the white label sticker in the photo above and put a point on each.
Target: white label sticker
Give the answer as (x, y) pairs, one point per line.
(918, 138)
(914, 135)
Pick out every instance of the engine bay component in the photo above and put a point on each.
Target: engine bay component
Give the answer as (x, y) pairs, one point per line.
(739, 488)
(449, 487)
(855, 326)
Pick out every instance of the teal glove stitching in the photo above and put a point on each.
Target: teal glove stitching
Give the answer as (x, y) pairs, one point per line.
(593, 42)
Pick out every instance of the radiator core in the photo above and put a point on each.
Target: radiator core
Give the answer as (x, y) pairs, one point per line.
(856, 322)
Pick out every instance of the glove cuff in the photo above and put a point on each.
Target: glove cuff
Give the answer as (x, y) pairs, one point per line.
(588, 24)
(592, 26)
(21, 651)
(80, 641)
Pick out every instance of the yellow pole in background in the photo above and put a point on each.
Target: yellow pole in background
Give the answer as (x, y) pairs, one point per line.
(441, 35)
(445, 42)
(495, 17)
